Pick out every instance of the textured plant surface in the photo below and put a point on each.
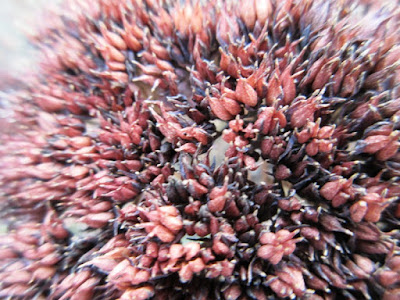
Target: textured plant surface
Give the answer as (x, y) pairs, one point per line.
(205, 150)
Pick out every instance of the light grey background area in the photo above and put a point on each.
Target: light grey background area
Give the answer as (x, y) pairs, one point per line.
(17, 16)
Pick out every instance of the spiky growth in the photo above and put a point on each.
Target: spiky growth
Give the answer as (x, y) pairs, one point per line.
(205, 150)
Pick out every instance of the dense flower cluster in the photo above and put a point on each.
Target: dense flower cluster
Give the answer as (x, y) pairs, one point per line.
(205, 150)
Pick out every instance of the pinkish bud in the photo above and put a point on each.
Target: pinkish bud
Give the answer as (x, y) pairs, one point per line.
(7, 253)
(388, 152)
(374, 143)
(282, 172)
(185, 273)
(97, 220)
(388, 277)
(219, 247)
(217, 204)
(231, 105)
(245, 93)
(192, 249)
(164, 234)
(176, 251)
(141, 293)
(201, 229)
(172, 223)
(197, 265)
(331, 188)
(233, 292)
(358, 211)
(43, 273)
(219, 110)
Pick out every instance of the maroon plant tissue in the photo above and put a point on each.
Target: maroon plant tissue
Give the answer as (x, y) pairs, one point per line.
(204, 150)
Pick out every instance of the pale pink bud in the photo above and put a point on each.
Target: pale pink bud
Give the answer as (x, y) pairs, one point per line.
(197, 265)
(192, 249)
(331, 188)
(263, 10)
(172, 223)
(219, 110)
(176, 251)
(219, 247)
(231, 105)
(217, 204)
(185, 273)
(98, 220)
(245, 93)
(141, 276)
(375, 143)
(233, 292)
(164, 234)
(43, 273)
(358, 211)
(141, 293)
(268, 238)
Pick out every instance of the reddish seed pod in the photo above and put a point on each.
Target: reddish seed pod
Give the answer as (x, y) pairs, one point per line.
(98, 220)
(173, 223)
(231, 105)
(164, 234)
(373, 144)
(266, 146)
(303, 113)
(245, 93)
(197, 265)
(201, 229)
(220, 248)
(358, 211)
(218, 108)
(274, 89)
(388, 277)
(388, 152)
(313, 147)
(119, 128)
(233, 292)
(141, 293)
(394, 263)
(192, 249)
(331, 189)
(217, 204)
(185, 273)
(264, 120)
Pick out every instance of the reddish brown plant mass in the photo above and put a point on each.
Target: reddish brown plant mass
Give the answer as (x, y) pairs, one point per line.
(205, 150)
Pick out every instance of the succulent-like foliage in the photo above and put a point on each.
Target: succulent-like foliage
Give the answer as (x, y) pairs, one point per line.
(205, 150)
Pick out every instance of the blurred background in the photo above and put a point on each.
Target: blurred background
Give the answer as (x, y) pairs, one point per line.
(17, 16)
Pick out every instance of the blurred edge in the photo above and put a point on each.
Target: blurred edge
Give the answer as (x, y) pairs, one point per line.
(16, 55)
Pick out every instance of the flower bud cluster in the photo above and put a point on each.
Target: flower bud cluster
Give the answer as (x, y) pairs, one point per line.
(204, 150)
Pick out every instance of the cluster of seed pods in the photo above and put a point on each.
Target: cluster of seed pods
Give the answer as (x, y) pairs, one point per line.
(205, 150)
